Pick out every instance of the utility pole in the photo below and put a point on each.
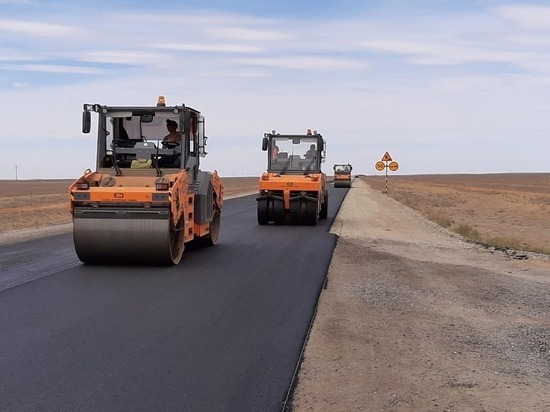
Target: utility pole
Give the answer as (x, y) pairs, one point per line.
(15, 172)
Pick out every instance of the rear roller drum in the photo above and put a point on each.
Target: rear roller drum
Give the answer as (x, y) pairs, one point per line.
(214, 228)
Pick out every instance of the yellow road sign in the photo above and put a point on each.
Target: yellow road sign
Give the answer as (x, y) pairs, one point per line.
(386, 157)
(380, 166)
(394, 166)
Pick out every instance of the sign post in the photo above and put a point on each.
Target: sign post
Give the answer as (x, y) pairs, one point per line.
(386, 163)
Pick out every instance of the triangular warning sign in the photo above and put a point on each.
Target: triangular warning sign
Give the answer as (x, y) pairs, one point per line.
(386, 157)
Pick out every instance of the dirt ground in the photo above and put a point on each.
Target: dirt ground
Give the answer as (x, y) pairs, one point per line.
(413, 317)
(31, 204)
(512, 209)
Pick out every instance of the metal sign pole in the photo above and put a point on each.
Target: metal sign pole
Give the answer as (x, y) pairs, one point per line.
(386, 177)
(386, 163)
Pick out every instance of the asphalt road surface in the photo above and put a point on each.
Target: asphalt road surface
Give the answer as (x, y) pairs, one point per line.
(221, 331)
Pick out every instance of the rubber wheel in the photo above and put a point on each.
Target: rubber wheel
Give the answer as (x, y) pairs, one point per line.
(263, 211)
(177, 244)
(323, 213)
(295, 212)
(278, 212)
(310, 215)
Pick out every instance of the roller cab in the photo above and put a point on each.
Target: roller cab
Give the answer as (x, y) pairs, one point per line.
(293, 190)
(342, 175)
(147, 197)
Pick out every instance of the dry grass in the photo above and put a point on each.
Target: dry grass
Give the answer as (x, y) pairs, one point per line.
(26, 204)
(503, 210)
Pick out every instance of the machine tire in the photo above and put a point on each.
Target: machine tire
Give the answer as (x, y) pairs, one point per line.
(323, 213)
(278, 212)
(263, 211)
(310, 215)
(295, 212)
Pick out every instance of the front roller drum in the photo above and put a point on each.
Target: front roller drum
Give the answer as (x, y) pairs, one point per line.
(342, 183)
(129, 237)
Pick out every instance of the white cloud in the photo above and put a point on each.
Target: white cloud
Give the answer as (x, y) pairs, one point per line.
(309, 63)
(237, 33)
(123, 57)
(17, 2)
(52, 68)
(529, 16)
(192, 18)
(11, 54)
(442, 53)
(37, 29)
(209, 47)
(531, 40)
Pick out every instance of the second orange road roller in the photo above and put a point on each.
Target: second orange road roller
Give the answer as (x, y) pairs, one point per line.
(147, 197)
(342, 175)
(293, 190)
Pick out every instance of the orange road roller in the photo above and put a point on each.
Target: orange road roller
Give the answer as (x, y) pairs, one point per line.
(147, 197)
(293, 190)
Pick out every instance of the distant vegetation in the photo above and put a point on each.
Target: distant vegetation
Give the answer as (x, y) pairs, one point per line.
(503, 210)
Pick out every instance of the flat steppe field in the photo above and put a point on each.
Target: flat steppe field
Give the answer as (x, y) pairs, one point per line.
(26, 204)
(507, 210)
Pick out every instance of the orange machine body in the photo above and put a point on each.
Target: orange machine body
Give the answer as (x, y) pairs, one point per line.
(145, 200)
(294, 189)
(342, 175)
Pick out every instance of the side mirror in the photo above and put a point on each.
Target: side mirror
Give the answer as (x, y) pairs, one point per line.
(146, 118)
(265, 143)
(321, 146)
(86, 121)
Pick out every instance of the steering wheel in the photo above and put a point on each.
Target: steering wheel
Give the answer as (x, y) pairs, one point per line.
(170, 145)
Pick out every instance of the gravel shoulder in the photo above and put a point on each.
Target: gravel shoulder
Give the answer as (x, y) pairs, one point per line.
(415, 318)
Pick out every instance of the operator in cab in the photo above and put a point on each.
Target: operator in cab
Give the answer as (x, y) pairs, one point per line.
(173, 138)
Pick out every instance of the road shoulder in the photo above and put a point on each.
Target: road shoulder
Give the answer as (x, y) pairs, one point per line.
(415, 318)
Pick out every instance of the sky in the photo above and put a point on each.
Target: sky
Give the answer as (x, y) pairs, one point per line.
(443, 86)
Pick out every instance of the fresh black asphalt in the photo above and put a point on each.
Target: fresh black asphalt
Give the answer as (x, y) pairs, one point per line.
(221, 331)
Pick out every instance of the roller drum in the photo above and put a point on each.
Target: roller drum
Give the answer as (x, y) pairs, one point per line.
(126, 236)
